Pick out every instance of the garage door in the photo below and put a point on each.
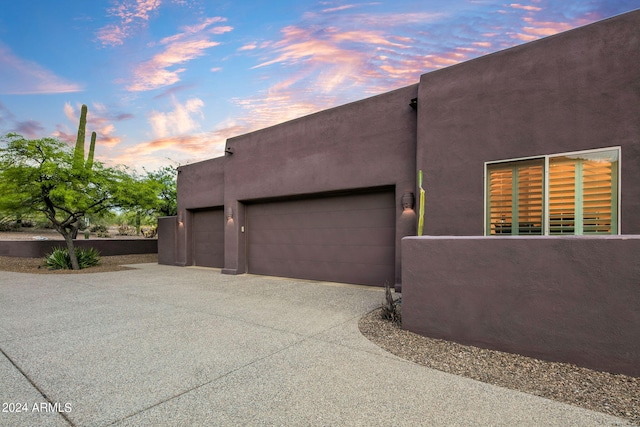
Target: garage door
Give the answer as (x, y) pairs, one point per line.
(348, 239)
(208, 237)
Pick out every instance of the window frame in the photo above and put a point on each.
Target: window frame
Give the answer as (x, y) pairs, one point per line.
(545, 186)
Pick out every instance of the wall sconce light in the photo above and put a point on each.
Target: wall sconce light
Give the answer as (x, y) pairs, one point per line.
(180, 223)
(408, 201)
(229, 213)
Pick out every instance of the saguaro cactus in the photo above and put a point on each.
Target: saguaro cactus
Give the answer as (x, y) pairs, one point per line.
(78, 154)
(92, 149)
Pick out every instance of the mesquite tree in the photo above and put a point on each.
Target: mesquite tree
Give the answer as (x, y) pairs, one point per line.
(46, 175)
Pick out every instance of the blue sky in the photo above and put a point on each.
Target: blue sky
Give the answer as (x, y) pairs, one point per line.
(168, 81)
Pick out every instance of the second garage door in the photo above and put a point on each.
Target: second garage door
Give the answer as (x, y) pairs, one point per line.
(208, 237)
(346, 238)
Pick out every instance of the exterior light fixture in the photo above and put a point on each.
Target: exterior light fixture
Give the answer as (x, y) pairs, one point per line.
(229, 213)
(408, 201)
(180, 223)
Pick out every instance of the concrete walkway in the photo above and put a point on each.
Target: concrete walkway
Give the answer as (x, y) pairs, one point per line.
(169, 346)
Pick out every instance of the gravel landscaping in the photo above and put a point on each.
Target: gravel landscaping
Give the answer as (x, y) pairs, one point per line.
(613, 394)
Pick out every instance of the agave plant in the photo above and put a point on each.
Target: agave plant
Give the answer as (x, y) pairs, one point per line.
(390, 307)
(88, 257)
(59, 258)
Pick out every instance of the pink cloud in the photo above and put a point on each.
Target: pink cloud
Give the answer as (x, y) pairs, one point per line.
(21, 77)
(547, 28)
(524, 7)
(249, 46)
(338, 8)
(177, 122)
(221, 30)
(181, 149)
(192, 29)
(180, 48)
(29, 128)
(525, 37)
(131, 14)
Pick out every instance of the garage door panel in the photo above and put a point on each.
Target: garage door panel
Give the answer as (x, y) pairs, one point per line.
(327, 219)
(374, 275)
(208, 237)
(324, 253)
(323, 236)
(340, 238)
(319, 205)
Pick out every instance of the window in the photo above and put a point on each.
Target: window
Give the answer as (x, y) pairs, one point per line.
(571, 193)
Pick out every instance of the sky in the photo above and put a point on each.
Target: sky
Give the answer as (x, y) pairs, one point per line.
(166, 82)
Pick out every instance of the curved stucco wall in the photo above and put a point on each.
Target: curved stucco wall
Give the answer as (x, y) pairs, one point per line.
(570, 299)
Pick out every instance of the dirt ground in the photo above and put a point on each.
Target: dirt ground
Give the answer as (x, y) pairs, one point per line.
(36, 265)
(107, 263)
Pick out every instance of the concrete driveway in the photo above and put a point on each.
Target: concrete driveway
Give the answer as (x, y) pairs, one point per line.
(173, 346)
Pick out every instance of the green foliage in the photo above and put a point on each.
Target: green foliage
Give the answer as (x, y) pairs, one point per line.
(150, 196)
(163, 183)
(38, 176)
(88, 257)
(59, 258)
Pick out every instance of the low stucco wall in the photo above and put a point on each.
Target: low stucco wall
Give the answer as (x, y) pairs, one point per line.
(167, 234)
(571, 299)
(39, 248)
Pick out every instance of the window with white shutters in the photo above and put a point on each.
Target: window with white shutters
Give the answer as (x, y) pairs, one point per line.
(515, 197)
(574, 193)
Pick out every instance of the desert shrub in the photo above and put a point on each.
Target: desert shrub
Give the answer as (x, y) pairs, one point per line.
(27, 223)
(98, 228)
(126, 230)
(390, 307)
(88, 257)
(9, 226)
(59, 258)
(149, 232)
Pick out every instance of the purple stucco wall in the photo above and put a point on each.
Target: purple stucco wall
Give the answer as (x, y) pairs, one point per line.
(365, 144)
(573, 91)
(200, 185)
(570, 299)
(167, 232)
(39, 248)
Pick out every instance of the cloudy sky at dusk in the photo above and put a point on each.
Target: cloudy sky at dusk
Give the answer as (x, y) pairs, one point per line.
(168, 81)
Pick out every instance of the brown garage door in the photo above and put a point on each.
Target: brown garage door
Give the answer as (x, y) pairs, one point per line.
(348, 239)
(208, 237)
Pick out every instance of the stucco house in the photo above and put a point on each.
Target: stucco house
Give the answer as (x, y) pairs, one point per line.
(531, 163)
